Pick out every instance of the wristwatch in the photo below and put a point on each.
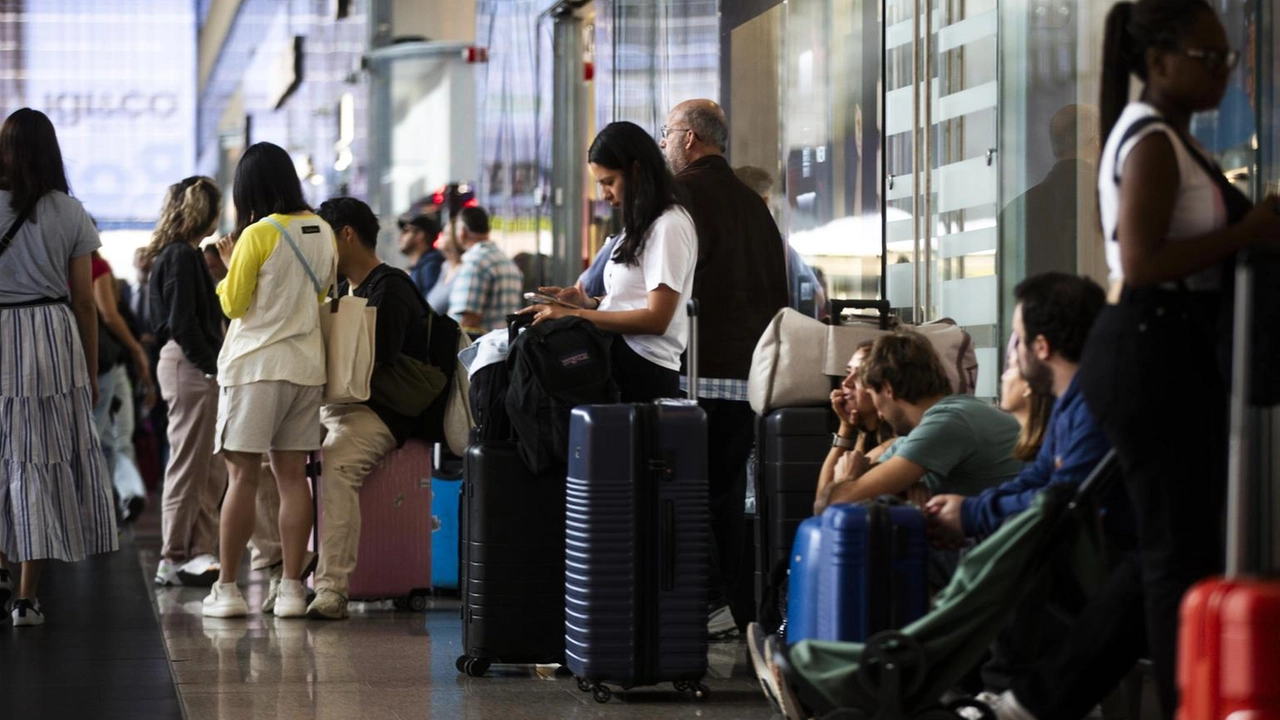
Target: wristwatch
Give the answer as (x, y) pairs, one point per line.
(842, 442)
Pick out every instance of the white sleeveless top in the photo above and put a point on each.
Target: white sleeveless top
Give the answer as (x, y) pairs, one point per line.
(1197, 210)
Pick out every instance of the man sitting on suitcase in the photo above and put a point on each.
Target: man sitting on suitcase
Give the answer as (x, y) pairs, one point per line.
(953, 443)
(358, 435)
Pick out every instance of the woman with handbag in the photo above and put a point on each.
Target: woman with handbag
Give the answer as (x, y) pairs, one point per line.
(271, 369)
(187, 323)
(650, 272)
(48, 351)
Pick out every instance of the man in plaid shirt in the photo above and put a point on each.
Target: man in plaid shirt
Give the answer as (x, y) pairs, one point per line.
(488, 285)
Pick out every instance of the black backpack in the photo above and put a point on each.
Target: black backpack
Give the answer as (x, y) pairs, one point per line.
(554, 367)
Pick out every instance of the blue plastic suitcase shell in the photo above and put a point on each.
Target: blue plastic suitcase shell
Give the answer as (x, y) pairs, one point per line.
(802, 584)
(444, 542)
(869, 573)
(636, 587)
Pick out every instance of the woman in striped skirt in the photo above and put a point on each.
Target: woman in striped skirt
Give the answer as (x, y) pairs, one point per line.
(55, 493)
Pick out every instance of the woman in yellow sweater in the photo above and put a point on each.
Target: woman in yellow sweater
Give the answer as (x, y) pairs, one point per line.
(271, 371)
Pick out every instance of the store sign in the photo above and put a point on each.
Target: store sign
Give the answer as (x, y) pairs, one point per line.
(117, 78)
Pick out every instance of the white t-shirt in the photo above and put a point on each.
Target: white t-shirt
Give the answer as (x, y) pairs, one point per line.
(1198, 208)
(669, 258)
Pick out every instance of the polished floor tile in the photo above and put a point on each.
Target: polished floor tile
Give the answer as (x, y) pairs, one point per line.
(117, 647)
(388, 664)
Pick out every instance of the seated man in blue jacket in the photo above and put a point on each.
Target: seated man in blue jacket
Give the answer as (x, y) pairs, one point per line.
(1052, 319)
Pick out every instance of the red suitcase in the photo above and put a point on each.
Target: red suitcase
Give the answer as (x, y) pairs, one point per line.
(1229, 633)
(394, 556)
(1229, 651)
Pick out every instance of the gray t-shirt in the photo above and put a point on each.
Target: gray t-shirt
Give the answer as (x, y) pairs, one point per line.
(964, 444)
(35, 265)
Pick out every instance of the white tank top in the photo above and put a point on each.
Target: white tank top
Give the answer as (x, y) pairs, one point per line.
(1197, 210)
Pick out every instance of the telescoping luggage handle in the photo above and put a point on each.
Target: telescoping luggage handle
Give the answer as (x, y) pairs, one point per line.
(881, 306)
(1241, 442)
(692, 361)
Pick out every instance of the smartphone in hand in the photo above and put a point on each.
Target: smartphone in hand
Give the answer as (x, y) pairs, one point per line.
(541, 299)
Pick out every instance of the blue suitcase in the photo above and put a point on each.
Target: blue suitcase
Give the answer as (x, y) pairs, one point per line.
(871, 573)
(444, 541)
(802, 581)
(636, 547)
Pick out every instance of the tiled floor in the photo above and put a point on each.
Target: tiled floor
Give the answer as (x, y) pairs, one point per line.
(103, 655)
(387, 664)
(100, 654)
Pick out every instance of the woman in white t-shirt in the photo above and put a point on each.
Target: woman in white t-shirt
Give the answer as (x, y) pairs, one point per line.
(650, 272)
(1171, 220)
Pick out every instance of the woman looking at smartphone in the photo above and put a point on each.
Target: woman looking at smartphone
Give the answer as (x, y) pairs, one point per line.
(650, 271)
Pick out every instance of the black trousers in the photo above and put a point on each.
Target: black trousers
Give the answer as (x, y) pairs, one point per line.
(1151, 377)
(640, 380)
(730, 435)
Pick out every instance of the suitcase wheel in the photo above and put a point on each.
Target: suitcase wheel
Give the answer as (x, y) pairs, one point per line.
(583, 685)
(418, 601)
(601, 694)
(472, 666)
(700, 691)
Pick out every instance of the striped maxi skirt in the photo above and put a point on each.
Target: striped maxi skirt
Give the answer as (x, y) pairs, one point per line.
(56, 500)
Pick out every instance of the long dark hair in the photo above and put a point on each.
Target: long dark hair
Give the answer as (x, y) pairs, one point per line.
(648, 187)
(1133, 28)
(266, 183)
(30, 161)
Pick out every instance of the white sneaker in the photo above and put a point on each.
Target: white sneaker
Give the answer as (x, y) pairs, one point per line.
(720, 623)
(225, 601)
(201, 571)
(273, 589)
(27, 613)
(1007, 707)
(167, 573)
(291, 602)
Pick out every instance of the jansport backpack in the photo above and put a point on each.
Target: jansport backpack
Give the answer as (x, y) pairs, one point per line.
(554, 367)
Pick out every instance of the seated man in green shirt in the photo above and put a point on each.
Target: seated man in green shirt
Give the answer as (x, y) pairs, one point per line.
(952, 443)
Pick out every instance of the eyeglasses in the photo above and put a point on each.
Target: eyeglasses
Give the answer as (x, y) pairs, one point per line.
(1214, 60)
(666, 130)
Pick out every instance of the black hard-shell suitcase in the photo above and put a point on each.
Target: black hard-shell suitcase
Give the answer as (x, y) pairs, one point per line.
(637, 544)
(791, 445)
(512, 561)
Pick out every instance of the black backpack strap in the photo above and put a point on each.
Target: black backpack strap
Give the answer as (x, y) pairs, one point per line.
(12, 232)
(1129, 134)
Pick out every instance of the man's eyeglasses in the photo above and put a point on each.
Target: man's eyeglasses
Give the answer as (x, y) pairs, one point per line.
(1214, 60)
(666, 130)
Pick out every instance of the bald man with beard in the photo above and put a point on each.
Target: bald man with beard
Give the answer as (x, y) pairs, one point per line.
(740, 284)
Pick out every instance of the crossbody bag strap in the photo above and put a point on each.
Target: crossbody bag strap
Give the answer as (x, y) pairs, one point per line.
(12, 232)
(297, 251)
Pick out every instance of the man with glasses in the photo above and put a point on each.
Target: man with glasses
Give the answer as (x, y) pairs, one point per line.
(740, 283)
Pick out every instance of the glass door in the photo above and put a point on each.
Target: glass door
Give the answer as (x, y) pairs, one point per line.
(941, 123)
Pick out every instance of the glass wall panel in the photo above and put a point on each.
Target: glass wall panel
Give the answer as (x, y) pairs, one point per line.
(830, 110)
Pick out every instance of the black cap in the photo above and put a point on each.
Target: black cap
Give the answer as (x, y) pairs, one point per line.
(425, 223)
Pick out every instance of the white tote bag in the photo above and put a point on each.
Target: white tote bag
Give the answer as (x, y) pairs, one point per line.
(347, 326)
(458, 421)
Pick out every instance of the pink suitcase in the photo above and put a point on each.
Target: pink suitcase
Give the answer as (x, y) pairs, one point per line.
(394, 559)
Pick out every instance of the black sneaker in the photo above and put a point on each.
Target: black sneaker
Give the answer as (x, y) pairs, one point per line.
(27, 613)
(131, 508)
(6, 589)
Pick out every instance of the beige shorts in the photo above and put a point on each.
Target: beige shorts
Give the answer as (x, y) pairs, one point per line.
(269, 415)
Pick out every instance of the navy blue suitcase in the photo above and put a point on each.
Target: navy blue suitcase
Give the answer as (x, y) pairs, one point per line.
(512, 561)
(636, 546)
(871, 573)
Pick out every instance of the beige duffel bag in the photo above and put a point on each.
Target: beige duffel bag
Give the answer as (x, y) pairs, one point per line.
(797, 357)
